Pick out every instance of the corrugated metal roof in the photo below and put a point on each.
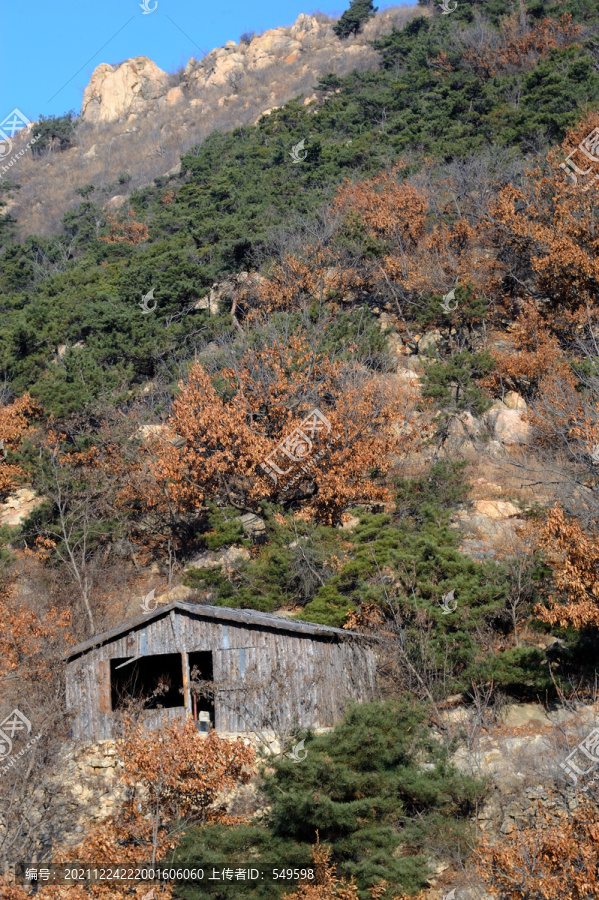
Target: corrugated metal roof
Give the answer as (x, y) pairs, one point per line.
(223, 613)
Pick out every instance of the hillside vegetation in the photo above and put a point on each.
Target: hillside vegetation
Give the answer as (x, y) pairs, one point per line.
(397, 285)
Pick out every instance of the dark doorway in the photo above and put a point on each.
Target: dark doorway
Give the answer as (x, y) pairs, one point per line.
(200, 669)
(157, 680)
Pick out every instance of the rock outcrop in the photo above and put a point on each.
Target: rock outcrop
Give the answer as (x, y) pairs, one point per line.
(115, 92)
(511, 428)
(137, 85)
(487, 525)
(228, 559)
(17, 507)
(507, 420)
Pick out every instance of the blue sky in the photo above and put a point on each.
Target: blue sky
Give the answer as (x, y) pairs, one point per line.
(50, 49)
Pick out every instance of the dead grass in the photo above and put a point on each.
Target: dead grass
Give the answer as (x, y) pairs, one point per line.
(494, 479)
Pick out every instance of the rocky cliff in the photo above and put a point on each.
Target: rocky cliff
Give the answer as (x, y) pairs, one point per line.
(138, 85)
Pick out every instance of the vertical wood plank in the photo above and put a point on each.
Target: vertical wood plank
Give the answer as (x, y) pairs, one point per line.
(186, 687)
(104, 689)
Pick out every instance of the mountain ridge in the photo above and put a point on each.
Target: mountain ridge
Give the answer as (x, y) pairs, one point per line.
(167, 114)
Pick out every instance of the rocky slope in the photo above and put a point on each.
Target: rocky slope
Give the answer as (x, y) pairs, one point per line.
(517, 753)
(136, 120)
(138, 86)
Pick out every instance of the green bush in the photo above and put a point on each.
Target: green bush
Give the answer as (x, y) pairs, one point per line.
(424, 565)
(418, 551)
(354, 18)
(452, 382)
(278, 575)
(56, 132)
(377, 789)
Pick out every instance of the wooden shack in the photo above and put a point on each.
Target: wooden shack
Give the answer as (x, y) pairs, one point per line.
(263, 667)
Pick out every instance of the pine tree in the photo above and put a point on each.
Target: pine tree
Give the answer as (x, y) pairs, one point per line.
(353, 18)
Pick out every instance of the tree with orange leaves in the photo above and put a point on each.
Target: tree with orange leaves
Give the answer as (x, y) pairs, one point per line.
(518, 44)
(30, 636)
(251, 411)
(388, 238)
(564, 413)
(562, 390)
(415, 245)
(538, 355)
(174, 776)
(14, 423)
(326, 885)
(544, 235)
(533, 243)
(555, 856)
(528, 250)
(292, 283)
(574, 559)
(33, 637)
(125, 230)
(544, 241)
(181, 773)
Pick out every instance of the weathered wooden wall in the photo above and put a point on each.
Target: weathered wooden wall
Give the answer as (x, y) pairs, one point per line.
(323, 673)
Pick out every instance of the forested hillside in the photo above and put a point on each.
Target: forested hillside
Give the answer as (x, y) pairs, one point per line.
(449, 91)
(343, 366)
